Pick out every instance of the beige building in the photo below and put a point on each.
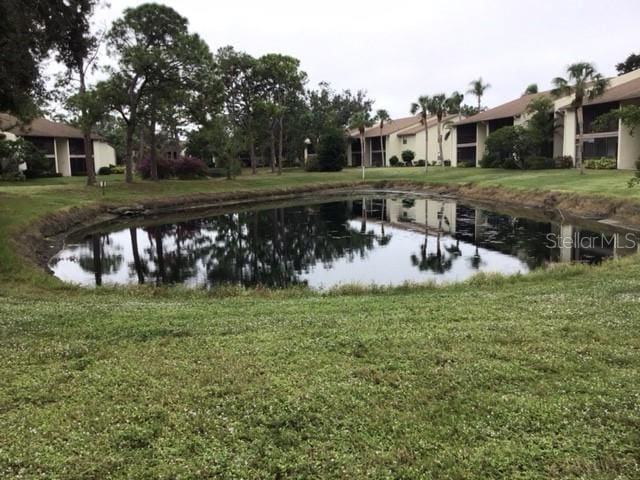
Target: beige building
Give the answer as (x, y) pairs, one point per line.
(470, 134)
(62, 144)
(398, 135)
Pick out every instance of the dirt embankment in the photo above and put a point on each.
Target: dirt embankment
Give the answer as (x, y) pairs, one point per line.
(39, 242)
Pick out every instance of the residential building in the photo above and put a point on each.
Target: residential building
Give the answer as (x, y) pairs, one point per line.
(398, 135)
(62, 144)
(615, 141)
(469, 135)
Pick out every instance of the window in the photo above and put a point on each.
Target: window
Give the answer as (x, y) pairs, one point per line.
(404, 140)
(601, 147)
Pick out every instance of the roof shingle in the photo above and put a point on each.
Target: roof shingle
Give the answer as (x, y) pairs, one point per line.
(41, 127)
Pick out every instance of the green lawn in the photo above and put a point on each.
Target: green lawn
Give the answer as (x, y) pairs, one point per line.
(532, 377)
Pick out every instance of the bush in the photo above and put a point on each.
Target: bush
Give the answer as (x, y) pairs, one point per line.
(332, 151)
(394, 161)
(447, 163)
(104, 171)
(14, 153)
(507, 147)
(602, 163)
(563, 162)
(420, 163)
(408, 156)
(183, 168)
(231, 166)
(117, 169)
(539, 163)
(189, 167)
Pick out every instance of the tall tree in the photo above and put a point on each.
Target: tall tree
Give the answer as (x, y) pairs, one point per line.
(29, 30)
(77, 51)
(531, 89)
(421, 108)
(631, 63)
(437, 106)
(360, 122)
(242, 90)
(281, 81)
(477, 88)
(583, 83)
(382, 116)
(156, 57)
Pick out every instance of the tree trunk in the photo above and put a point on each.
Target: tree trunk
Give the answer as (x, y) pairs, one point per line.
(86, 134)
(382, 149)
(141, 145)
(128, 151)
(252, 153)
(579, 161)
(89, 161)
(426, 145)
(273, 150)
(440, 152)
(153, 143)
(362, 152)
(281, 134)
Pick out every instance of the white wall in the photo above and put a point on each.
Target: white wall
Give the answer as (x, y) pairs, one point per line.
(569, 134)
(63, 164)
(103, 154)
(481, 137)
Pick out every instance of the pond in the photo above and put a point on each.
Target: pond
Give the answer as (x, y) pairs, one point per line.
(380, 239)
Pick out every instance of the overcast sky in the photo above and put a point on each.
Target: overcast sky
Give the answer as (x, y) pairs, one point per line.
(398, 50)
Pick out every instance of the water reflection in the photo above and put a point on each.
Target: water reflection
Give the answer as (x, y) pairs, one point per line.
(357, 240)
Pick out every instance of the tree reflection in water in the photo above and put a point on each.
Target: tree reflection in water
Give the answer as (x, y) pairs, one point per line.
(373, 239)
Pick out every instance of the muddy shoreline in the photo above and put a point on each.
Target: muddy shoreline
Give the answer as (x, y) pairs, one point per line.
(38, 243)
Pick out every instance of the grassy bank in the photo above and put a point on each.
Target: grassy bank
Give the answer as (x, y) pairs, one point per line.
(532, 377)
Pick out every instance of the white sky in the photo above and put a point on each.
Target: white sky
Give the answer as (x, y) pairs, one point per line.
(400, 50)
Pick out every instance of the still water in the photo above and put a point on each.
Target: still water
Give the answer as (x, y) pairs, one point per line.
(382, 240)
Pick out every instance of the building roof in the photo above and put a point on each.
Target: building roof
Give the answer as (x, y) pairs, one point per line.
(624, 91)
(513, 108)
(432, 121)
(41, 127)
(389, 127)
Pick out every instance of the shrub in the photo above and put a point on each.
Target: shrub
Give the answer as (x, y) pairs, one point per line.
(408, 156)
(603, 163)
(394, 161)
(332, 151)
(183, 168)
(189, 167)
(447, 163)
(507, 147)
(538, 163)
(117, 169)
(14, 153)
(230, 165)
(420, 163)
(563, 162)
(104, 171)
(313, 165)
(165, 167)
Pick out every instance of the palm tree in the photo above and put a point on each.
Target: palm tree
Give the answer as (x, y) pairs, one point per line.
(383, 116)
(361, 121)
(477, 89)
(454, 103)
(583, 82)
(438, 106)
(421, 107)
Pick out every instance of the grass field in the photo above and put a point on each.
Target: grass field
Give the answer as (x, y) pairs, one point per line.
(527, 377)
